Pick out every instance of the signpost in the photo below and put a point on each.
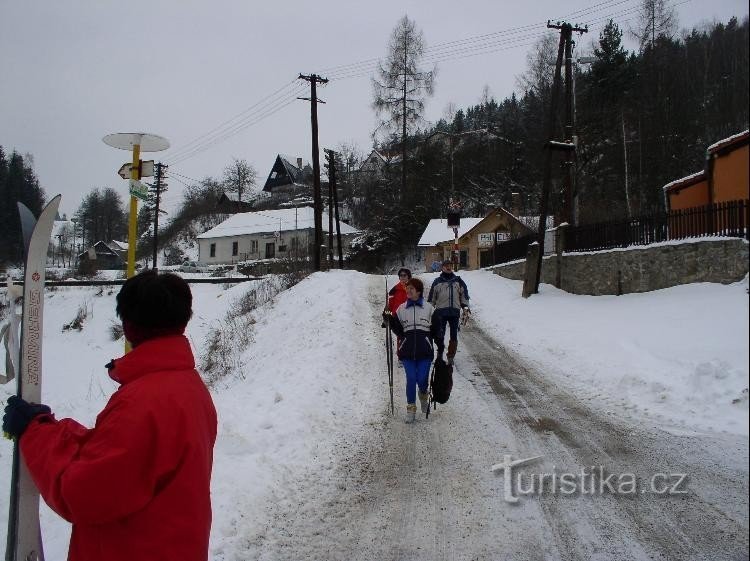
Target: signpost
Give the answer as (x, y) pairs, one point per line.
(137, 142)
(146, 169)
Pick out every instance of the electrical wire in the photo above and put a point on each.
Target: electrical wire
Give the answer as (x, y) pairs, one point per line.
(442, 52)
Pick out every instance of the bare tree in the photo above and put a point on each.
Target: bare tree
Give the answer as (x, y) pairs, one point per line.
(400, 87)
(656, 18)
(540, 62)
(240, 178)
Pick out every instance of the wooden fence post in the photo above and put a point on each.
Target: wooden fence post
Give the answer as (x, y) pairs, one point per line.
(559, 248)
(532, 264)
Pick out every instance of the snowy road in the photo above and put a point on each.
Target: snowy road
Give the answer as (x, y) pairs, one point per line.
(427, 491)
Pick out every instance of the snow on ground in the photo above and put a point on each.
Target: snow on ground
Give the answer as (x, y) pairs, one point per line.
(678, 355)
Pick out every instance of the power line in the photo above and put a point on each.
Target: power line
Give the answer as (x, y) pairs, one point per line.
(270, 109)
(442, 52)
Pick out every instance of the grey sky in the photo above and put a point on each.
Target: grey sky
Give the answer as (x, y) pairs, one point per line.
(72, 72)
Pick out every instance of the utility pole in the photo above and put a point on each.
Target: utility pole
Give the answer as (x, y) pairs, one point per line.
(330, 213)
(331, 155)
(314, 79)
(160, 185)
(565, 46)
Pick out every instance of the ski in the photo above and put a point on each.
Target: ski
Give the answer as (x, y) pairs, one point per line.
(24, 533)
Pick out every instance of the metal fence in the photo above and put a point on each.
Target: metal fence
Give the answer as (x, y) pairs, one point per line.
(728, 219)
(507, 251)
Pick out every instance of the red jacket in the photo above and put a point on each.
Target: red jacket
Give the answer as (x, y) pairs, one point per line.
(396, 297)
(137, 485)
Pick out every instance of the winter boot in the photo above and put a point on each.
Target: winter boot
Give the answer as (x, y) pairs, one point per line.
(411, 413)
(424, 402)
(452, 346)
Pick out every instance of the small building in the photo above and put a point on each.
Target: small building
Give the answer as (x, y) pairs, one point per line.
(231, 203)
(286, 176)
(269, 234)
(112, 255)
(724, 178)
(477, 238)
(437, 241)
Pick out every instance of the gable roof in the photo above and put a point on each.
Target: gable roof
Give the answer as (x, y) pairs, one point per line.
(437, 231)
(284, 172)
(268, 221)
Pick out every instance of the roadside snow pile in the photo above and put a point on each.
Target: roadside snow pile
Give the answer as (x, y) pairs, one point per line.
(301, 390)
(303, 386)
(679, 355)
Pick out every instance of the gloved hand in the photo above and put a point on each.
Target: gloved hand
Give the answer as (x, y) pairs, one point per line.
(19, 413)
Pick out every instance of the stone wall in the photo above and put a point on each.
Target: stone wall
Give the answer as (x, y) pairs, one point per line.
(642, 269)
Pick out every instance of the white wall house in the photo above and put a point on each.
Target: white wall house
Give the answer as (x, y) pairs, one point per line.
(266, 234)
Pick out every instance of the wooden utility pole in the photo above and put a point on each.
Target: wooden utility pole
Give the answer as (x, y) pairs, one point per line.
(160, 185)
(331, 155)
(314, 79)
(565, 46)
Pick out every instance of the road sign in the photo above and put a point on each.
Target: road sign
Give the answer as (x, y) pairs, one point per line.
(139, 189)
(147, 169)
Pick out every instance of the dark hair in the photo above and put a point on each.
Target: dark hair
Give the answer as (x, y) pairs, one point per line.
(152, 300)
(417, 284)
(404, 270)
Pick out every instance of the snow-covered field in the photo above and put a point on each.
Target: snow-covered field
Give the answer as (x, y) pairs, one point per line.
(314, 366)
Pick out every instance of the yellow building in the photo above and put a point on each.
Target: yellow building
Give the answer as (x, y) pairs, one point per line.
(724, 178)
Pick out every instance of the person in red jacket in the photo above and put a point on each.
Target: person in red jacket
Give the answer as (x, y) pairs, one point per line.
(397, 294)
(137, 485)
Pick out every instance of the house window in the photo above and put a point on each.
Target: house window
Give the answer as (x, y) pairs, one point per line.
(254, 246)
(235, 248)
(212, 251)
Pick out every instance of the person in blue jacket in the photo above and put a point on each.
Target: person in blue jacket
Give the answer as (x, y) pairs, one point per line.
(449, 295)
(412, 323)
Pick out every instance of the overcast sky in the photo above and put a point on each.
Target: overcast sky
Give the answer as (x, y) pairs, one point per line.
(217, 79)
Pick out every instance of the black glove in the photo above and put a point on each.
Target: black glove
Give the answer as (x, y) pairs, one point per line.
(18, 415)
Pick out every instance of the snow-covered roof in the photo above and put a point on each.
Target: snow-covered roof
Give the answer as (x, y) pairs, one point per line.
(270, 221)
(437, 231)
(738, 138)
(685, 181)
(122, 246)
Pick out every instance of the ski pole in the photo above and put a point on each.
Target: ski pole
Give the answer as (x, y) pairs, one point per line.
(389, 348)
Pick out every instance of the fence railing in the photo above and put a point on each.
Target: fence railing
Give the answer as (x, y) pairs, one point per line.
(728, 219)
(507, 251)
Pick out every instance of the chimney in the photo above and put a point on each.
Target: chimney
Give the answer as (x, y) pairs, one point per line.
(299, 163)
(515, 204)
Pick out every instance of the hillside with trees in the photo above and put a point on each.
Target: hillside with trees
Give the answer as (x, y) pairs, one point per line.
(643, 119)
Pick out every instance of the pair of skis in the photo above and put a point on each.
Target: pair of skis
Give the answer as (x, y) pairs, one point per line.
(388, 347)
(24, 362)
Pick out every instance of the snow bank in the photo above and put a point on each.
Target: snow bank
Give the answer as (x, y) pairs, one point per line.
(678, 356)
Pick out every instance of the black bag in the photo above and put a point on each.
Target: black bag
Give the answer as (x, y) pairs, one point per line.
(442, 381)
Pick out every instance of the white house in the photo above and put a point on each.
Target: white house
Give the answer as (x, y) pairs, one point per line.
(265, 234)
